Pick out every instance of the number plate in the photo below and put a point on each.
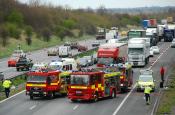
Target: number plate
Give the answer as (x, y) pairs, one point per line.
(78, 92)
(35, 92)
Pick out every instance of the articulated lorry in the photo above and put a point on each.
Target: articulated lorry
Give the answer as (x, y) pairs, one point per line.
(138, 52)
(111, 53)
(169, 33)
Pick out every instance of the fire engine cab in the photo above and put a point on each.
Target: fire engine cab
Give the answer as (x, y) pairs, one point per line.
(47, 83)
(92, 85)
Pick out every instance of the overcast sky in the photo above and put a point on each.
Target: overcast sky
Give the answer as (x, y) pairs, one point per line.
(109, 3)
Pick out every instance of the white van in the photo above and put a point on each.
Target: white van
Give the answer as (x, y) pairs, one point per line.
(64, 51)
(66, 64)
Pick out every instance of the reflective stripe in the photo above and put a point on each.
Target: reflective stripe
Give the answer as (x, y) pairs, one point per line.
(36, 85)
(78, 87)
(93, 87)
(55, 83)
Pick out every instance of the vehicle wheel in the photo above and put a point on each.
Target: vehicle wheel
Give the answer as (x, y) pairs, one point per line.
(31, 97)
(113, 95)
(138, 90)
(96, 97)
(27, 68)
(17, 69)
(73, 100)
(51, 95)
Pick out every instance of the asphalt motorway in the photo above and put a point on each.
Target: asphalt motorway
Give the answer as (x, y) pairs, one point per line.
(37, 56)
(131, 103)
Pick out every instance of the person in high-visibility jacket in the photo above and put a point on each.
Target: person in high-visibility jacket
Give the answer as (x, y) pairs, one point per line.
(147, 92)
(7, 84)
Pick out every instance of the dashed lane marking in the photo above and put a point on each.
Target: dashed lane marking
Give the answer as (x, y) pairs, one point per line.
(126, 97)
(121, 104)
(76, 107)
(32, 107)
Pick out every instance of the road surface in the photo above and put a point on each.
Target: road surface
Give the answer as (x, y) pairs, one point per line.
(131, 103)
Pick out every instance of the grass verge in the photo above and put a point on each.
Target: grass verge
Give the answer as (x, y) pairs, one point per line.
(90, 52)
(167, 103)
(19, 84)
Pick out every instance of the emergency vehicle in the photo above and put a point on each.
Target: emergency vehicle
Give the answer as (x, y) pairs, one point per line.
(126, 77)
(47, 83)
(90, 85)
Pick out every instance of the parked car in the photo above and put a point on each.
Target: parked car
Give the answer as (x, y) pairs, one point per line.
(96, 43)
(95, 58)
(173, 43)
(83, 62)
(53, 51)
(145, 79)
(155, 49)
(81, 48)
(90, 60)
(14, 57)
(38, 66)
(74, 45)
(151, 53)
(24, 63)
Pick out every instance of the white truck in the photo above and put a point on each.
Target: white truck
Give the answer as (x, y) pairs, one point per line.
(152, 33)
(64, 51)
(160, 31)
(138, 52)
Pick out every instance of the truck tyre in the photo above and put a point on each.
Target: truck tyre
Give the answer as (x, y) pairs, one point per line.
(31, 97)
(95, 97)
(73, 100)
(113, 95)
(50, 95)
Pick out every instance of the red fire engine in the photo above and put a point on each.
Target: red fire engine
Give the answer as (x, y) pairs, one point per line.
(126, 78)
(46, 83)
(93, 85)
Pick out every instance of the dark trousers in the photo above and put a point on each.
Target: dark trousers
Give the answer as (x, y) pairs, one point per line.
(7, 92)
(162, 77)
(147, 96)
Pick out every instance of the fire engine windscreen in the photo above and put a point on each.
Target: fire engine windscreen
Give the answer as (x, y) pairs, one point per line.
(105, 61)
(36, 79)
(135, 51)
(79, 79)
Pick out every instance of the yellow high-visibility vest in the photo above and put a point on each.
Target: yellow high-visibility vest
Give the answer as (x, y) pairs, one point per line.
(147, 90)
(6, 84)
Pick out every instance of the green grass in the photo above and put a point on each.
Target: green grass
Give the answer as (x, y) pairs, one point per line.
(90, 52)
(36, 44)
(168, 98)
(18, 82)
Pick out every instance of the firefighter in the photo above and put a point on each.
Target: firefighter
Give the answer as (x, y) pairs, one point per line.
(7, 84)
(147, 92)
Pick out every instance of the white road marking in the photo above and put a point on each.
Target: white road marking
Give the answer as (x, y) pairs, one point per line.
(159, 57)
(12, 96)
(121, 104)
(32, 107)
(152, 113)
(76, 107)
